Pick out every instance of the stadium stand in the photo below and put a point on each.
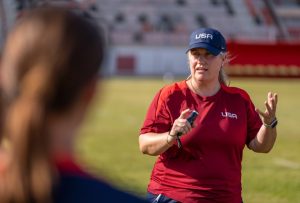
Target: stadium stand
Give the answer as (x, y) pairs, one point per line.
(249, 26)
(152, 21)
(155, 21)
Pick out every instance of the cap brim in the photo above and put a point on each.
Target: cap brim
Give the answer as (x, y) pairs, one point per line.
(206, 46)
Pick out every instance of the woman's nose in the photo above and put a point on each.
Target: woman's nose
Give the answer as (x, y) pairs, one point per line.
(200, 58)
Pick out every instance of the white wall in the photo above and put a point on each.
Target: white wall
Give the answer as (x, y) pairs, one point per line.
(150, 60)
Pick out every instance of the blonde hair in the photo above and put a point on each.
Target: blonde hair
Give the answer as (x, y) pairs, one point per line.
(223, 77)
(50, 55)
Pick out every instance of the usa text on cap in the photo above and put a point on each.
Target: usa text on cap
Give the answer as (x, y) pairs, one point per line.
(209, 39)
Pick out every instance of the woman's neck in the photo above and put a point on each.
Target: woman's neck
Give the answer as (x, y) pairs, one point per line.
(203, 89)
(64, 126)
(63, 129)
(62, 135)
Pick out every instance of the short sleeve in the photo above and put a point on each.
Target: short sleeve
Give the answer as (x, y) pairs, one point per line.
(158, 117)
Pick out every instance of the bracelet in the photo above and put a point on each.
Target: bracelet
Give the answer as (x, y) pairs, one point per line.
(168, 139)
(272, 124)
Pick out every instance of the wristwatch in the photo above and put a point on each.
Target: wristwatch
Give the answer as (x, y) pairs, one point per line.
(273, 123)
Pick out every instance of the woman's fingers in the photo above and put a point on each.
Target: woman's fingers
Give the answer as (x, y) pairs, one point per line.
(184, 113)
(272, 103)
(260, 112)
(181, 125)
(270, 112)
(275, 99)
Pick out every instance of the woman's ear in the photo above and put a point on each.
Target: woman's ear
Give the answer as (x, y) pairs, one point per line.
(224, 59)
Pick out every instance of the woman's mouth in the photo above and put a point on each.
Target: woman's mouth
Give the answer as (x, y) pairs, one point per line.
(201, 69)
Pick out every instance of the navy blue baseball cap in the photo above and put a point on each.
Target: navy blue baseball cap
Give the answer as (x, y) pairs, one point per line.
(209, 39)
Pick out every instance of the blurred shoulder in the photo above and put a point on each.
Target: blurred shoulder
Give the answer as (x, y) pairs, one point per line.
(172, 88)
(80, 189)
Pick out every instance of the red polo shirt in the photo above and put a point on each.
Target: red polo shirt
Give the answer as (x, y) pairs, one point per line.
(208, 166)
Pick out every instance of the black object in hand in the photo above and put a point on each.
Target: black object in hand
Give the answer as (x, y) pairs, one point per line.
(191, 120)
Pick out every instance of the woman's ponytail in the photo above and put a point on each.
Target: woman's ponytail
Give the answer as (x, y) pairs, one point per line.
(29, 174)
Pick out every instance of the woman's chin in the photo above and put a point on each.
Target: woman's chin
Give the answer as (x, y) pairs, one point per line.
(200, 76)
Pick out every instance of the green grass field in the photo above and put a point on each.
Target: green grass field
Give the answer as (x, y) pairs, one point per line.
(109, 141)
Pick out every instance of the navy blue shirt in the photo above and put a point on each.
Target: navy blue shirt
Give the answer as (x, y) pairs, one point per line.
(82, 189)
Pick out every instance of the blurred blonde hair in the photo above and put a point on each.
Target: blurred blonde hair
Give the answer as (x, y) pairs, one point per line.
(49, 57)
(223, 77)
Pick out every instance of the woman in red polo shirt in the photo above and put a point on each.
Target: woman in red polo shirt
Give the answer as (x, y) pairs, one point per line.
(207, 167)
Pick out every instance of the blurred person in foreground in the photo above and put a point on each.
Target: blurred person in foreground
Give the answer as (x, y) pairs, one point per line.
(207, 168)
(49, 73)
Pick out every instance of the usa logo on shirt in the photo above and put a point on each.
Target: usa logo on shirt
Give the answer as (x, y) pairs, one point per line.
(226, 114)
